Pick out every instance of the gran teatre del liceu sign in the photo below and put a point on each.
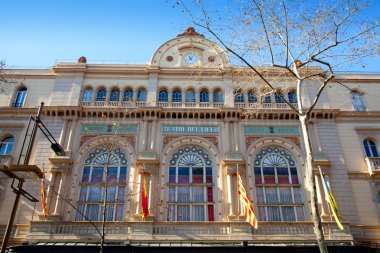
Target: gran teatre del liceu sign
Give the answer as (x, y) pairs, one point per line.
(173, 129)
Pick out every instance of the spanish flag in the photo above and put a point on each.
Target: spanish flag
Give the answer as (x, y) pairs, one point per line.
(43, 197)
(329, 196)
(249, 214)
(144, 197)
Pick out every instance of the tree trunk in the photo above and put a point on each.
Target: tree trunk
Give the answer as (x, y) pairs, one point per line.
(102, 244)
(310, 181)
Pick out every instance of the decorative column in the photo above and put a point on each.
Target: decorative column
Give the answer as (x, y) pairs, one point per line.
(229, 192)
(230, 166)
(151, 166)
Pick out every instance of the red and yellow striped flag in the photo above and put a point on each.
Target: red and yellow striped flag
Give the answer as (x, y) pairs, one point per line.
(249, 214)
(43, 197)
(144, 196)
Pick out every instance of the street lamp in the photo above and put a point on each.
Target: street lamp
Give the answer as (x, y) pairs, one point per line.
(23, 171)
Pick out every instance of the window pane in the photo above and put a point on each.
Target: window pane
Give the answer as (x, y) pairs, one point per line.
(210, 195)
(252, 97)
(208, 174)
(172, 175)
(204, 96)
(197, 175)
(269, 175)
(111, 193)
(83, 193)
(273, 213)
(261, 213)
(141, 95)
(80, 212)
(297, 195)
(183, 194)
(86, 174)
(128, 95)
(271, 195)
(95, 194)
(119, 212)
(288, 213)
(171, 194)
(198, 213)
(293, 172)
(123, 174)
(239, 97)
(101, 95)
(210, 210)
(87, 95)
(300, 213)
(198, 194)
(282, 175)
(260, 195)
(92, 211)
(258, 179)
(286, 195)
(183, 213)
(190, 96)
(112, 174)
(171, 212)
(115, 95)
(183, 175)
(97, 175)
(120, 194)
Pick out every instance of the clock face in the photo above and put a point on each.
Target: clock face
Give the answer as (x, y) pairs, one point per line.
(190, 58)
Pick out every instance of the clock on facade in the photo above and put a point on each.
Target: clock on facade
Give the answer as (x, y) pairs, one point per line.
(190, 58)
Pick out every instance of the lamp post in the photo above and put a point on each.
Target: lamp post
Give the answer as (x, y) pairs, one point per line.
(24, 171)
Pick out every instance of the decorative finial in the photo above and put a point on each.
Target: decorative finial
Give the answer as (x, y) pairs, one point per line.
(82, 60)
(190, 32)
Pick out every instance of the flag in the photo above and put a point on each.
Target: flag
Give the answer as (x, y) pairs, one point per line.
(331, 201)
(249, 214)
(43, 197)
(144, 197)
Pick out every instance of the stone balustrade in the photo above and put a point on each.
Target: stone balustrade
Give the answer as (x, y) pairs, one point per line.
(276, 232)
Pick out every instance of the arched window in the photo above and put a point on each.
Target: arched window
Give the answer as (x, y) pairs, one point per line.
(20, 97)
(378, 199)
(163, 96)
(204, 97)
(370, 148)
(87, 94)
(6, 145)
(105, 166)
(278, 189)
(190, 96)
(292, 96)
(277, 97)
(141, 95)
(177, 96)
(115, 95)
(357, 101)
(239, 97)
(267, 99)
(252, 97)
(218, 96)
(128, 95)
(101, 95)
(190, 186)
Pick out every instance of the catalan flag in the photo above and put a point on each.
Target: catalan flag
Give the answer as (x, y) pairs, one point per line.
(331, 201)
(249, 214)
(144, 197)
(43, 197)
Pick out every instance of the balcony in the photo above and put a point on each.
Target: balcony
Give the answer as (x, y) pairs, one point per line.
(191, 104)
(244, 105)
(268, 232)
(373, 165)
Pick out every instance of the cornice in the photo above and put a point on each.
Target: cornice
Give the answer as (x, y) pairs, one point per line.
(354, 115)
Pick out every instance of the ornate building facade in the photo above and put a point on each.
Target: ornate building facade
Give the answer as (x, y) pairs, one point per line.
(181, 118)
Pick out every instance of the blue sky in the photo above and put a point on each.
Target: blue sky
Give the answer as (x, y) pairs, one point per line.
(37, 33)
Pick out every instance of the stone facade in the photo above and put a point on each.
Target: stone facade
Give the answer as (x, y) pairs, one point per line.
(179, 118)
